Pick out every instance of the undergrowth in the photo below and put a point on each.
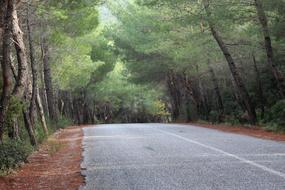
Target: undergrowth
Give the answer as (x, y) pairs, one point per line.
(13, 152)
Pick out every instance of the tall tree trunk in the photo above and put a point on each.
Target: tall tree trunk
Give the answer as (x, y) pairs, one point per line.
(13, 67)
(48, 81)
(238, 81)
(174, 94)
(189, 97)
(18, 38)
(3, 7)
(32, 108)
(259, 87)
(21, 88)
(216, 88)
(41, 112)
(42, 92)
(5, 62)
(279, 77)
(28, 127)
(205, 108)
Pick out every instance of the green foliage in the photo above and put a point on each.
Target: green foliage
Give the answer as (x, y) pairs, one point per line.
(63, 122)
(276, 117)
(64, 16)
(127, 99)
(12, 153)
(122, 70)
(15, 110)
(232, 120)
(214, 116)
(40, 133)
(103, 53)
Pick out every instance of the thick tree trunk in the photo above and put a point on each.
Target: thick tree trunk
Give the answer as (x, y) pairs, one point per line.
(216, 88)
(279, 77)
(6, 70)
(259, 87)
(48, 82)
(2, 16)
(237, 79)
(21, 89)
(35, 99)
(32, 108)
(22, 77)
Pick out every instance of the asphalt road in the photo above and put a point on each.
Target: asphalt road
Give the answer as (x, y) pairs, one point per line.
(171, 156)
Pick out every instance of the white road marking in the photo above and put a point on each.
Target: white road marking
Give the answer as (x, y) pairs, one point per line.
(114, 137)
(247, 155)
(272, 171)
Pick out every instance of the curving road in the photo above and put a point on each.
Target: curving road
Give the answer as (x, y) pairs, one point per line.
(172, 156)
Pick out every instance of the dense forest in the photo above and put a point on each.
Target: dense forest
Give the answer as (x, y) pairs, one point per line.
(127, 61)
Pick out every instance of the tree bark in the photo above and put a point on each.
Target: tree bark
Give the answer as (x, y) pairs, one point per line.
(21, 88)
(18, 38)
(28, 127)
(259, 87)
(13, 67)
(41, 113)
(48, 81)
(5, 62)
(32, 108)
(216, 88)
(2, 16)
(237, 79)
(42, 92)
(174, 94)
(279, 77)
(203, 101)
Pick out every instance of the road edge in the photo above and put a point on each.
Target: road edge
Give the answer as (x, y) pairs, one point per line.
(254, 131)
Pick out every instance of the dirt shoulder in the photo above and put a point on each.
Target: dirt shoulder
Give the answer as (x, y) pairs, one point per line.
(254, 131)
(55, 166)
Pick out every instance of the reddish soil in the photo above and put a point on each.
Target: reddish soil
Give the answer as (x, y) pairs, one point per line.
(254, 131)
(55, 166)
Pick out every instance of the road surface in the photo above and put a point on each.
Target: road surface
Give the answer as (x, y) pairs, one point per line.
(172, 156)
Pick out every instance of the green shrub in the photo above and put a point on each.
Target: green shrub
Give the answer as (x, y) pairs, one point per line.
(40, 133)
(214, 116)
(12, 153)
(278, 113)
(273, 127)
(14, 110)
(275, 117)
(63, 122)
(232, 120)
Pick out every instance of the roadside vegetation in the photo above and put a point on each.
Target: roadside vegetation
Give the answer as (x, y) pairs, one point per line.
(85, 62)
